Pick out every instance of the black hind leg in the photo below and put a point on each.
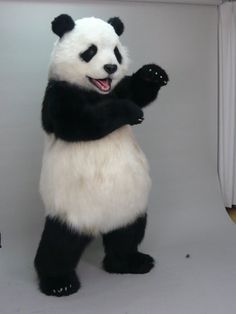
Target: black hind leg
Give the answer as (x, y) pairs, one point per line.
(121, 249)
(57, 256)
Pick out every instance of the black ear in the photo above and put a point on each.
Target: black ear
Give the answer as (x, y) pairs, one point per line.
(62, 24)
(117, 24)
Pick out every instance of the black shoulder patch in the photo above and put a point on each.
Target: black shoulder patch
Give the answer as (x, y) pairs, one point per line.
(89, 53)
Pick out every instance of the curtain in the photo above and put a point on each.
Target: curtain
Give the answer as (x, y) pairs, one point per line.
(227, 102)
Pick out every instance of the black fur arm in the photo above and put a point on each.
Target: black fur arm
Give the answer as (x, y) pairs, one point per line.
(76, 115)
(143, 86)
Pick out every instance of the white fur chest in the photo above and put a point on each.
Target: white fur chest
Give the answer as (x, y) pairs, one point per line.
(96, 186)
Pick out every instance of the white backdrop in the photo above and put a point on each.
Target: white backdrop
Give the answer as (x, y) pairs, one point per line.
(179, 137)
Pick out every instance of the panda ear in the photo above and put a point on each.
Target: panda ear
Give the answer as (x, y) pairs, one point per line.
(117, 25)
(62, 24)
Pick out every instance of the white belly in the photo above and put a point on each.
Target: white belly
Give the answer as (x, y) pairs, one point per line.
(95, 186)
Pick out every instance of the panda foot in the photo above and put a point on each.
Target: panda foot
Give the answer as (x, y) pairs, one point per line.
(60, 286)
(137, 263)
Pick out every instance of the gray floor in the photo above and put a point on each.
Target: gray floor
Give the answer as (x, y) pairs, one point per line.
(179, 136)
(203, 283)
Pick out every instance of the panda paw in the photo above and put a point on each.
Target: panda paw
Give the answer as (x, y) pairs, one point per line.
(154, 74)
(141, 263)
(60, 286)
(133, 113)
(137, 263)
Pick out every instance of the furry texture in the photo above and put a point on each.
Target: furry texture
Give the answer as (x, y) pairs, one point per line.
(74, 114)
(118, 55)
(89, 53)
(61, 247)
(62, 24)
(95, 178)
(143, 86)
(66, 65)
(117, 24)
(95, 186)
(113, 168)
(121, 248)
(59, 251)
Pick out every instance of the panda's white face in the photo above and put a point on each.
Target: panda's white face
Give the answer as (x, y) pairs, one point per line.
(90, 56)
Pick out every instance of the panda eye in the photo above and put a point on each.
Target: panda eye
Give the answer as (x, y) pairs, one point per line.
(118, 55)
(89, 53)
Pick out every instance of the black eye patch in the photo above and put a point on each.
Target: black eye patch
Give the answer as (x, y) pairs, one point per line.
(118, 55)
(88, 54)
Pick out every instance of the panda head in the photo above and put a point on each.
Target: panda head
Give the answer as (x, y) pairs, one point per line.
(88, 53)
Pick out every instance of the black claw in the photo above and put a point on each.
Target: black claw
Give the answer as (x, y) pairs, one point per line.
(60, 286)
(155, 74)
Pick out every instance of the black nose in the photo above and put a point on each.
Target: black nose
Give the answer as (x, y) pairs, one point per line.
(110, 68)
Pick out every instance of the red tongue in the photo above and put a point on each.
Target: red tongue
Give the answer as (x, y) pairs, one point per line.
(103, 85)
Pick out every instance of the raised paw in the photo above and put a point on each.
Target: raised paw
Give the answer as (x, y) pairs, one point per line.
(153, 73)
(60, 286)
(136, 263)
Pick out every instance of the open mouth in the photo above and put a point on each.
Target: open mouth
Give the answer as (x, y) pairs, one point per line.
(103, 85)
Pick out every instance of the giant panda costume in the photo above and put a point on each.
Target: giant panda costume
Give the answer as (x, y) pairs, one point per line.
(95, 178)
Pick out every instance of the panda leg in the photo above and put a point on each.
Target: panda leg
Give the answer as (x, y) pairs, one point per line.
(121, 250)
(57, 256)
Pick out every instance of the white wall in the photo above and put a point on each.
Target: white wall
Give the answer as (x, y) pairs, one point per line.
(179, 132)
